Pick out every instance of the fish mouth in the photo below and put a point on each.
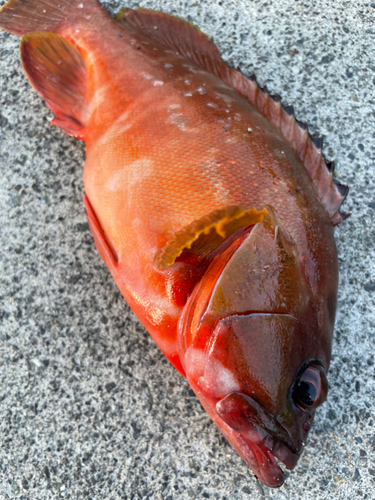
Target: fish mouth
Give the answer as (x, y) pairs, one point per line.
(264, 455)
(260, 440)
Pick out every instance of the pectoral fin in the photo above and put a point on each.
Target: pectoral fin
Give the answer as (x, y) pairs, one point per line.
(203, 236)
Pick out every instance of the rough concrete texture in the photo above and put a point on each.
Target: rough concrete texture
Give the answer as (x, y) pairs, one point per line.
(89, 408)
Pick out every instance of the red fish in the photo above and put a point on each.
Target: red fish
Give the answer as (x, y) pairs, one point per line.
(211, 205)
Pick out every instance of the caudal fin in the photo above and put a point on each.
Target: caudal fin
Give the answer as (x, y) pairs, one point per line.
(22, 17)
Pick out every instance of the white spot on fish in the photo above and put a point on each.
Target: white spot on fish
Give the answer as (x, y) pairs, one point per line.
(194, 362)
(202, 91)
(147, 76)
(227, 99)
(187, 82)
(131, 174)
(117, 128)
(98, 97)
(187, 94)
(212, 105)
(157, 83)
(212, 171)
(80, 6)
(168, 65)
(174, 106)
(217, 379)
(179, 120)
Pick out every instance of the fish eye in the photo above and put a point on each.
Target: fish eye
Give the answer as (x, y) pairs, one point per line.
(311, 388)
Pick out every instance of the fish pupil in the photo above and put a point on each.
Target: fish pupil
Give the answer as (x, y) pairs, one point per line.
(307, 393)
(311, 388)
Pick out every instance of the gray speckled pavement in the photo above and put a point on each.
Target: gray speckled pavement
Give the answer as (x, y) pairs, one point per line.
(89, 408)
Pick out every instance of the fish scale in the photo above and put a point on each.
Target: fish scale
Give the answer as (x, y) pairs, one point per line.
(211, 205)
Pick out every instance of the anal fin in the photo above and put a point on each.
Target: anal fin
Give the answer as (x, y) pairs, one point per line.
(57, 71)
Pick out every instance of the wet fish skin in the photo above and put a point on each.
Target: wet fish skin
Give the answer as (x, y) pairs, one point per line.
(213, 215)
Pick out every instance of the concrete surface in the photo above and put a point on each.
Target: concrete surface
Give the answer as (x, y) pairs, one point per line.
(89, 408)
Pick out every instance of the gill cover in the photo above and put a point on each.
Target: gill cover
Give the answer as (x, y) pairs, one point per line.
(259, 272)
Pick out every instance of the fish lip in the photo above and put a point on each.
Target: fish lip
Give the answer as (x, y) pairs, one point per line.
(279, 448)
(262, 462)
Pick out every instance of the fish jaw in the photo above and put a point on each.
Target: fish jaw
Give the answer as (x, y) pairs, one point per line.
(258, 444)
(263, 463)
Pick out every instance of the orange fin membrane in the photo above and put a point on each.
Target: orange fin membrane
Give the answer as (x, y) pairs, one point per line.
(189, 41)
(56, 70)
(203, 236)
(21, 17)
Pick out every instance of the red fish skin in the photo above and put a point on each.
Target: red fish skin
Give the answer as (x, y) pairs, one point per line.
(168, 143)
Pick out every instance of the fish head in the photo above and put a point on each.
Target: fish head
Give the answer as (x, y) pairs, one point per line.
(255, 343)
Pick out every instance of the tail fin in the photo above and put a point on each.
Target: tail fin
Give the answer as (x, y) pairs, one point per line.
(22, 17)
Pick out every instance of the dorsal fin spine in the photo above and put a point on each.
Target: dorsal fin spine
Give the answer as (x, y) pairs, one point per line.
(300, 138)
(275, 114)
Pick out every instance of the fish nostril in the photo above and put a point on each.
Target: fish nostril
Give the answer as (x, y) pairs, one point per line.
(306, 426)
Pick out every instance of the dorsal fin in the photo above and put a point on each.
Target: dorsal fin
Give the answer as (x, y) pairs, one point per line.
(56, 70)
(184, 38)
(163, 28)
(204, 235)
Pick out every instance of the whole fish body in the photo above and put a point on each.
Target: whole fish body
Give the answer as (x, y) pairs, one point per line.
(211, 205)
